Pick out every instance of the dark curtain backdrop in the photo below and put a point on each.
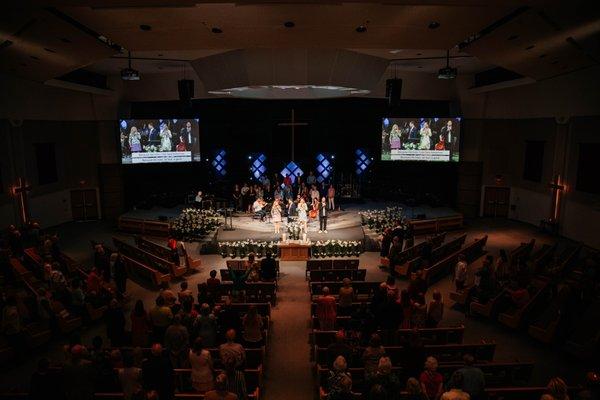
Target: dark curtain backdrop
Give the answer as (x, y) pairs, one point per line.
(246, 127)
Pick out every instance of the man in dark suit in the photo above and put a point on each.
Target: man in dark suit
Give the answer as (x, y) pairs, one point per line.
(323, 214)
(190, 138)
(413, 131)
(153, 137)
(268, 268)
(157, 373)
(450, 138)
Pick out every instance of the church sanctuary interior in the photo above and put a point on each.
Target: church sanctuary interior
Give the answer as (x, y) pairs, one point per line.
(299, 200)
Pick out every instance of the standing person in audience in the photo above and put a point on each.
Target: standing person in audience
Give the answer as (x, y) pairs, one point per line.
(202, 367)
(394, 254)
(407, 309)
(460, 273)
(205, 326)
(345, 298)
(414, 390)
(177, 340)
(230, 350)
(236, 381)
(435, 311)
(473, 379)
(220, 392)
(140, 325)
(130, 377)
(252, 324)
(414, 354)
(386, 243)
(268, 268)
(78, 376)
(228, 317)
(157, 373)
(558, 389)
(455, 391)
(120, 274)
(160, 319)
(326, 310)
(185, 294)
(432, 381)
(371, 356)
(115, 324)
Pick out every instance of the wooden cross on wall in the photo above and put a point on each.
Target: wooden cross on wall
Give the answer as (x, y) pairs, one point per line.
(20, 192)
(557, 188)
(293, 124)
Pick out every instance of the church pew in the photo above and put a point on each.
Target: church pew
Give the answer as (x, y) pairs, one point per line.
(338, 275)
(225, 275)
(523, 393)
(37, 335)
(240, 264)
(152, 247)
(361, 289)
(445, 353)
(137, 269)
(544, 327)
(148, 259)
(19, 269)
(442, 335)
(413, 253)
(488, 309)
(584, 339)
(523, 250)
(460, 297)
(516, 318)
(355, 306)
(472, 251)
(437, 254)
(264, 309)
(143, 227)
(253, 376)
(256, 292)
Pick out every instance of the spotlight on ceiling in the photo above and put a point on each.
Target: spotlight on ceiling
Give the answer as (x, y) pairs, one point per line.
(433, 25)
(289, 24)
(447, 72)
(130, 74)
(216, 29)
(361, 29)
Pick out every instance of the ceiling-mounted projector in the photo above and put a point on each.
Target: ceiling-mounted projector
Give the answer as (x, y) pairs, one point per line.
(447, 72)
(130, 74)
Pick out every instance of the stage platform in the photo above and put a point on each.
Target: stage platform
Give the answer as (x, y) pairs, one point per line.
(342, 225)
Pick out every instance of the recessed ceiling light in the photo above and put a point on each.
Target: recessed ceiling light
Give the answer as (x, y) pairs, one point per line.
(145, 27)
(419, 54)
(49, 50)
(512, 37)
(433, 25)
(542, 55)
(420, 66)
(65, 40)
(216, 30)
(361, 29)
(289, 24)
(34, 57)
(530, 47)
(396, 51)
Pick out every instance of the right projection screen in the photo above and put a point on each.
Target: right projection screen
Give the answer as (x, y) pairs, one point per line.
(420, 139)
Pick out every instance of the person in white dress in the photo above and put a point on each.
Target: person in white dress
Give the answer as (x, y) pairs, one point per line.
(165, 138)
(302, 214)
(276, 215)
(425, 143)
(202, 367)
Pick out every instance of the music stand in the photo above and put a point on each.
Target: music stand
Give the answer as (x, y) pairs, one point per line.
(228, 213)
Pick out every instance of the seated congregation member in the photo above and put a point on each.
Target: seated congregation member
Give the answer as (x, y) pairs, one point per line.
(460, 273)
(220, 392)
(228, 318)
(414, 391)
(252, 324)
(78, 375)
(177, 340)
(230, 350)
(157, 373)
(130, 377)
(160, 319)
(432, 382)
(326, 310)
(268, 268)
(185, 294)
(202, 367)
(236, 381)
(372, 355)
(140, 325)
(345, 392)
(472, 378)
(337, 374)
(345, 298)
(386, 379)
(435, 310)
(455, 391)
(205, 326)
(340, 347)
(258, 208)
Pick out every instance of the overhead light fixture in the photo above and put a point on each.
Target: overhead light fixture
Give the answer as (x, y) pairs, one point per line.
(130, 74)
(433, 25)
(49, 50)
(361, 29)
(289, 24)
(447, 72)
(395, 51)
(216, 29)
(530, 47)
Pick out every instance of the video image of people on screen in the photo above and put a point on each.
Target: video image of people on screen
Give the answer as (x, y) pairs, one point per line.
(420, 139)
(159, 140)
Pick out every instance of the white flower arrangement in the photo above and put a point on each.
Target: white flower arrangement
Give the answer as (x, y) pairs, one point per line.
(336, 248)
(244, 247)
(193, 223)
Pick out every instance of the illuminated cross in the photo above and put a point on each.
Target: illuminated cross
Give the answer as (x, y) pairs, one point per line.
(293, 124)
(557, 188)
(20, 192)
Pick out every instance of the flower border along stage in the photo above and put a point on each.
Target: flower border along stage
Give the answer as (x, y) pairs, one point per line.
(327, 248)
